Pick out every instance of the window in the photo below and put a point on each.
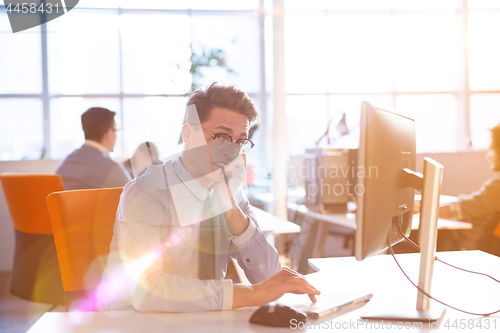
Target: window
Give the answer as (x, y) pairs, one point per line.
(484, 114)
(404, 54)
(132, 57)
(21, 115)
(25, 62)
(436, 61)
(152, 54)
(21, 128)
(159, 120)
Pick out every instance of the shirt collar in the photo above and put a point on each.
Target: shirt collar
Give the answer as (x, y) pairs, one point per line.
(97, 146)
(198, 191)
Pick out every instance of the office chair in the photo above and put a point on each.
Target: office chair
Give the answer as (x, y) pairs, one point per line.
(82, 223)
(35, 274)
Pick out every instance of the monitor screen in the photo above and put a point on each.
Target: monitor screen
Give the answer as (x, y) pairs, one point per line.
(386, 147)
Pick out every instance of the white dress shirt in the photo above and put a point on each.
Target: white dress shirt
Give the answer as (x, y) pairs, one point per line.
(97, 146)
(153, 260)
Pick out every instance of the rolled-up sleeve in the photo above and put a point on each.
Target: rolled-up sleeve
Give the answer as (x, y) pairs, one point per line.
(255, 255)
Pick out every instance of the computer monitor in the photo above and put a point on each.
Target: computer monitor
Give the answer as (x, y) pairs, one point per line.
(385, 194)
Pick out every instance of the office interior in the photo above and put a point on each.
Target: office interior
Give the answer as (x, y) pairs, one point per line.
(308, 65)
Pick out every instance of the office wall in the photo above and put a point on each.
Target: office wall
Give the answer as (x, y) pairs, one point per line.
(463, 173)
(6, 228)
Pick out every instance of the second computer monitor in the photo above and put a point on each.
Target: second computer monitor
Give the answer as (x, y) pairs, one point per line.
(387, 146)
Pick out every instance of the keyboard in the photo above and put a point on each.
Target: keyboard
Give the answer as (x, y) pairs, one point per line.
(331, 303)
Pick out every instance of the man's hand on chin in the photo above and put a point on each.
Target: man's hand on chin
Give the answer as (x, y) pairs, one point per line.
(232, 178)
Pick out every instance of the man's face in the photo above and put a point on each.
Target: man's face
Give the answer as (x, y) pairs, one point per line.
(228, 122)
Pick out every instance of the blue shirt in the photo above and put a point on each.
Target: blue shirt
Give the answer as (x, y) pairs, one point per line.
(88, 167)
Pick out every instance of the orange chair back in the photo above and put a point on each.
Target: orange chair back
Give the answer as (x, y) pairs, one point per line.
(496, 232)
(82, 223)
(26, 196)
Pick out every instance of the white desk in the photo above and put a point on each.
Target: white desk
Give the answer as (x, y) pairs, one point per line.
(269, 223)
(348, 221)
(379, 275)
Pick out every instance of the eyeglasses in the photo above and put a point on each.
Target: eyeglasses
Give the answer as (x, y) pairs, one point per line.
(242, 145)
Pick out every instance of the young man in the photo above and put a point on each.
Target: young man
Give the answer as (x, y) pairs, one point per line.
(482, 208)
(178, 223)
(91, 166)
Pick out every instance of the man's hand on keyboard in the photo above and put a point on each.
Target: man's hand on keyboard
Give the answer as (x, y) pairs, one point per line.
(285, 281)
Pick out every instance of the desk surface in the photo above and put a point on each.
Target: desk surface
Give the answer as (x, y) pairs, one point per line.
(270, 223)
(379, 275)
(463, 290)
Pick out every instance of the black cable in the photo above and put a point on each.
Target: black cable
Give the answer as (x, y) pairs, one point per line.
(428, 295)
(416, 246)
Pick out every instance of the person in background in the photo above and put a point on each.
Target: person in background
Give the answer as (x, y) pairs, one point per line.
(481, 208)
(143, 157)
(91, 165)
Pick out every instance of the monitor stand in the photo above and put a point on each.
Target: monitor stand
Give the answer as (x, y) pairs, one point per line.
(426, 310)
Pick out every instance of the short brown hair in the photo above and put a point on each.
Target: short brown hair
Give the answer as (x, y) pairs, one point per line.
(226, 97)
(96, 122)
